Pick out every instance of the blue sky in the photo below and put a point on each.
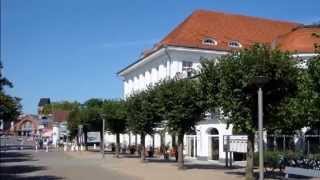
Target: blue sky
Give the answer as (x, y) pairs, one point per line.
(72, 49)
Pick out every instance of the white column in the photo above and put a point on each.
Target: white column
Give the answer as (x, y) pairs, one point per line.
(125, 87)
(141, 81)
(153, 75)
(135, 83)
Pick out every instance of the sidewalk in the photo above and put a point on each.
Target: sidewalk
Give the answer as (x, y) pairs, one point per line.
(157, 169)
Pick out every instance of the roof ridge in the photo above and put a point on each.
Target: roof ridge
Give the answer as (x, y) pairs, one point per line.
(244, 15)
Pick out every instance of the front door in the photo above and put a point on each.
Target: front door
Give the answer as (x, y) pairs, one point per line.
(215, 148)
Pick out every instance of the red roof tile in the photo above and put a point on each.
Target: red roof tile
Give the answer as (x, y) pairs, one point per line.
(224, 28)
(300, 40)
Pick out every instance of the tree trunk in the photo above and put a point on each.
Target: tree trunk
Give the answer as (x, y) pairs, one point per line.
(142, 148)
(162, 142)
(117, 145)
(101, 141)
(250, 153)
(136, 143)
(180, 151)
(85, 138)
(173, 143)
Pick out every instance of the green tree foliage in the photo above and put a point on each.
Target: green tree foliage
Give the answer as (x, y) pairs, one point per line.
(182, 109)
(87, 114)
(3, 81)
(63, 105)
(114, 112)
(143, 115)
(314, 73)
(10, 107)
(236, 89)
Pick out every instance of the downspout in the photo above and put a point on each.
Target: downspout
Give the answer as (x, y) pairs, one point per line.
(170, 59)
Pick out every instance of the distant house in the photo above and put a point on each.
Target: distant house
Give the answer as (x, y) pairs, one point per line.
(209, 34)
(60, 126)
(26, 125)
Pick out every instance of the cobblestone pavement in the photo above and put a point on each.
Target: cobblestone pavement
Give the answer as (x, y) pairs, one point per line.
(30, 165)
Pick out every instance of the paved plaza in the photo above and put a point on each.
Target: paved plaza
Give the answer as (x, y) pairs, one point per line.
(54, 165)
(41, 165)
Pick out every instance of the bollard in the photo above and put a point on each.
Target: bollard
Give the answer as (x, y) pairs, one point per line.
(36, 148)
(65, 148)
(47, 148)
(94, 146)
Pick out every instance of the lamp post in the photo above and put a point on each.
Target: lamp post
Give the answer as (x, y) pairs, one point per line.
(260, 81)
(102, 141)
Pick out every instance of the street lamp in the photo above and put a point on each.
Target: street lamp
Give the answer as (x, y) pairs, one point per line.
(102, 141)
(260, 82)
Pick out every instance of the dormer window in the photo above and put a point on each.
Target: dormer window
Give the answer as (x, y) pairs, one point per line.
(235, 44)
(209, 42)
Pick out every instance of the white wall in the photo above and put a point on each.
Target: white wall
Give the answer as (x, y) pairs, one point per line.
(166, 64)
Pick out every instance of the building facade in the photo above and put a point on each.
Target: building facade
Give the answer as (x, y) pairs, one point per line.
(209, 35)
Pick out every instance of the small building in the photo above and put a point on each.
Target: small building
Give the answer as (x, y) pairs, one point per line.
(59, 126)
(26, 125)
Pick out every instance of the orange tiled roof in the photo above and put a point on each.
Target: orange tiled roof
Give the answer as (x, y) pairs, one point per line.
(224, 28)
(300, 40)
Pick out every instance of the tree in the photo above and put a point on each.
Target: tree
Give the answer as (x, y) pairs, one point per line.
(10, 107)
(182, 109)
(3, 81)
(143, 115)
(63, 105)
(115, 115)
(237, 88)
(314, 73)
(87, 114)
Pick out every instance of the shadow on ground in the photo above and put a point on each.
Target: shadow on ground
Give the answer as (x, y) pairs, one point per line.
(18, 177)
(208, 166)
(11, 169)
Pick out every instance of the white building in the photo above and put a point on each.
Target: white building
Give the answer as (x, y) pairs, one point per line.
(207, 34)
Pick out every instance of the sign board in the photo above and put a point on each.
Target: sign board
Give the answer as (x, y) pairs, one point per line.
(93, 137)
(235, 143)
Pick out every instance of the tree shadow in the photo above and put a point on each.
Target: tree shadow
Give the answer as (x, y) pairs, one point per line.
(12, 157)
(11, 169)
(209, 166)
(20, 169)
(13, 154)
(12, 160)
(19, 177)
(154, 160)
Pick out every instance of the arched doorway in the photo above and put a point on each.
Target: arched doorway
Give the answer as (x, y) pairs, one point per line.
(213, 143)
(191, 140)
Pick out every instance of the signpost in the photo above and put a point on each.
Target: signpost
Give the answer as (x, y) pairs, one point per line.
(93, 137)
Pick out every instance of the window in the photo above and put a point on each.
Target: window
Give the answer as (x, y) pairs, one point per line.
(186, 65)
(234, 44)
(187, 68)
(209, 42)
